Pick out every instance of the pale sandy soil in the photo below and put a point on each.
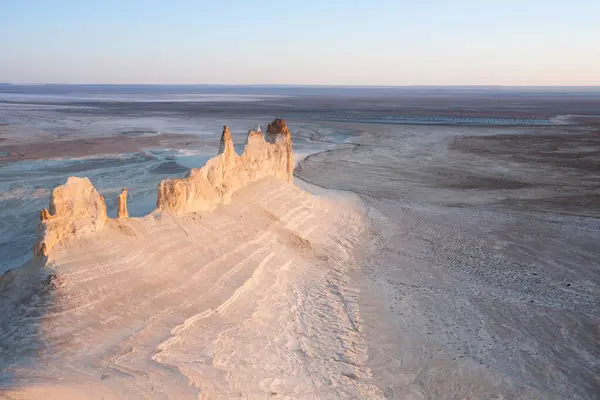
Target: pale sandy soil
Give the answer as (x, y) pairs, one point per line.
(482, 276)
(257, 299)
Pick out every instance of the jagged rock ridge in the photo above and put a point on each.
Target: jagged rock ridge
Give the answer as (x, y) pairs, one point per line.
(77, 208)
(202, 189)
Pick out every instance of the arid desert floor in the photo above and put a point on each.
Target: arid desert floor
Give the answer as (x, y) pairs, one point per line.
(434, 245)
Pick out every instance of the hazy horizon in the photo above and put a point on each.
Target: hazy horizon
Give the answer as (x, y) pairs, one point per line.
(307, 85)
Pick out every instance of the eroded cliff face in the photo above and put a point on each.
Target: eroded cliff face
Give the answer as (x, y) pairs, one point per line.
(77, 208)
(204, 188)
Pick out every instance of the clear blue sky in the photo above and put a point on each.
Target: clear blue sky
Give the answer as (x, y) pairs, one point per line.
(353, 42)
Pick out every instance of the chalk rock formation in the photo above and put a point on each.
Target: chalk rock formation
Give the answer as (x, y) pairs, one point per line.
(277, 127)
(252, 133)
(277, 131)
(202, 189)
(122, 205)
(75, 208)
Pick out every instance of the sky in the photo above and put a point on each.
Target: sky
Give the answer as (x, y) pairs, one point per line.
(335, 42)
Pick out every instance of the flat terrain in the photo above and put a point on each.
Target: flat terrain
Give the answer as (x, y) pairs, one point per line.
(484, 256)
(49, 149)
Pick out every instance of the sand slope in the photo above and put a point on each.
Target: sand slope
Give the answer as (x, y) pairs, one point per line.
(254, 300)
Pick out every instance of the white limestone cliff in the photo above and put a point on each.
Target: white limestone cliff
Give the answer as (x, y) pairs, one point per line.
(77, 208)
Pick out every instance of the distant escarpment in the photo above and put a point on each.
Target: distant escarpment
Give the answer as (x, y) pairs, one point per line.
(77, 208)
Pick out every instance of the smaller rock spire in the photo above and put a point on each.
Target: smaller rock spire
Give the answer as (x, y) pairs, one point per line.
(44, 215)
(122, 205)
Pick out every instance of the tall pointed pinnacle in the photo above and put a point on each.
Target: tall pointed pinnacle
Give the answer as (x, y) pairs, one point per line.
(226, 145)
(226, 148)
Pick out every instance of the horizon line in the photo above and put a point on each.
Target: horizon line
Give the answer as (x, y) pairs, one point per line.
(296, 85)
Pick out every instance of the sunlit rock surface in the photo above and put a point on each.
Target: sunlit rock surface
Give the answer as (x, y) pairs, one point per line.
(122, 205)
(254, 298)
(76, 208)
(222, 175)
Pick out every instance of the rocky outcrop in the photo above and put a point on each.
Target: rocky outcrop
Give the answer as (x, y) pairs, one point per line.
(277, 131)
(204, 188)
(75, 208)
(278, 127)
(122, 205)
